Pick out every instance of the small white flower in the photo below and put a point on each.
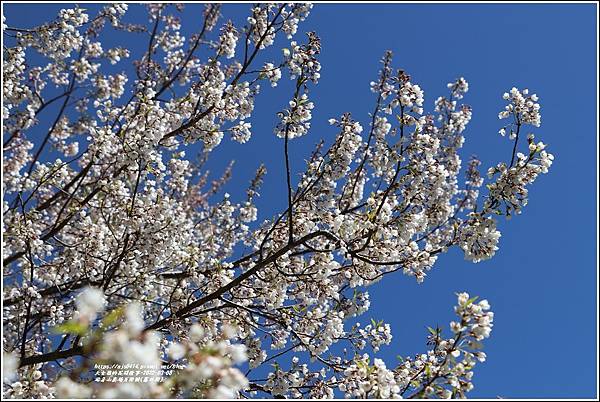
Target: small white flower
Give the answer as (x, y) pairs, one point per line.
(176, 351)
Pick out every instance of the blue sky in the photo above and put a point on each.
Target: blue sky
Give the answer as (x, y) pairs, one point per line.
(542, 282)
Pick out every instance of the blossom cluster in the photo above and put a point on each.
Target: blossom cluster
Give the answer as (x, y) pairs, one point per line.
(523, 106)
(443, 372)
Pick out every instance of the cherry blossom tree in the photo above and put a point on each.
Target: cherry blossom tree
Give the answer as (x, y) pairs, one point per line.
(119, 250)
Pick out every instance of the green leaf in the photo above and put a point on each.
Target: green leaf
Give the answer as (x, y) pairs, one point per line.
(371, 215)
(112, 317)
(71, 327)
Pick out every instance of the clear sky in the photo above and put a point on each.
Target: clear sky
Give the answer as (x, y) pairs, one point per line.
(542, 282)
